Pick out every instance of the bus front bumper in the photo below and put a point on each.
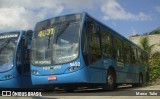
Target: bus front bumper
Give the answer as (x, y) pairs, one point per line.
(10, 83)
(79, 76)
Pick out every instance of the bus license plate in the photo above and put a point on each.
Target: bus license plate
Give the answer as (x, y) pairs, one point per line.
(52, 77)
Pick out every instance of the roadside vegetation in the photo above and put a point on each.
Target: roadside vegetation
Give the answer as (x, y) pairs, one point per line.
(154, 61)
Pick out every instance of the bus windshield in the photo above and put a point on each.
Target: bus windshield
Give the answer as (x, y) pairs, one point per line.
(55, 43)
(7, 48)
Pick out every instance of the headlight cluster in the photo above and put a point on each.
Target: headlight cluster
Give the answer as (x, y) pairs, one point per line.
(35, 72)
(8, 77)
(73, 68)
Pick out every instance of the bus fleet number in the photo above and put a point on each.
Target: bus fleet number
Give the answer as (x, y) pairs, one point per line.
(75, 64)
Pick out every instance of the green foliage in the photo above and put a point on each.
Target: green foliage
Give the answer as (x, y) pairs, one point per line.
(144, 43)
(154, 63)
(156, 31)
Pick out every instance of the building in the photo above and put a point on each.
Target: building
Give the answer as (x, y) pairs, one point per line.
(153, 39)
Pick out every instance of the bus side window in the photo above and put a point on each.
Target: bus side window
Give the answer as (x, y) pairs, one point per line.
(126, 53)
(107, 45)
(94, 40)
(85, 44)
(133, 55)
(118, 45)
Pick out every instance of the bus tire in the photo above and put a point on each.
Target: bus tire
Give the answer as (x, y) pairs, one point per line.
(110, 81)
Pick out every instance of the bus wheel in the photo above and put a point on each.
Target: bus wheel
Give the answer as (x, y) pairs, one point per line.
(110, 81)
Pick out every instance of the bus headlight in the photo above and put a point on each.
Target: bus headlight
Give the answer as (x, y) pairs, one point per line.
(70, 69)
(8, 77)
(73, 68)
(35, 72)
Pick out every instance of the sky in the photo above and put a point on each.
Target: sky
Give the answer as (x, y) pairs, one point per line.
(127, 17)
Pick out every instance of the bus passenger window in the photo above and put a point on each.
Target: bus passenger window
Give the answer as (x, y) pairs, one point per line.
(133, 56)
(94, 41)
(119, 51)
(107, 43)
(126, 53)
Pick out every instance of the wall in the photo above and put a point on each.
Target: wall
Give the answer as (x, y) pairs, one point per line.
(153, 39)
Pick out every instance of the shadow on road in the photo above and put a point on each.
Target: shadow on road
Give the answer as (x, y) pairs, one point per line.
(43, 98)
(120, 91)
(120, 88)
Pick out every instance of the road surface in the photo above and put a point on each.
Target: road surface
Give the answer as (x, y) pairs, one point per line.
(123, 92)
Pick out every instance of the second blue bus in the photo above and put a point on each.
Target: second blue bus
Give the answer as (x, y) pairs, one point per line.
(15, 59)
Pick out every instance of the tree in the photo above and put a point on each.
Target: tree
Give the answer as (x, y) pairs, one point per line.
(154, 61)
(144, 43)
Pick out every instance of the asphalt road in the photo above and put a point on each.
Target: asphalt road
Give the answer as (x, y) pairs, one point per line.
(123, 92)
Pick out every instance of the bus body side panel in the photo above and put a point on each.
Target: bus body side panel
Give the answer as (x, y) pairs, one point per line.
(128, 73)
(98, 71)
(15, 80)
(123, 75)
(96, 75)
(142, 69)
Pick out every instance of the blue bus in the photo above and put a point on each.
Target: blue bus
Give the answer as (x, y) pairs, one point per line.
(77, 50)
(15, 59)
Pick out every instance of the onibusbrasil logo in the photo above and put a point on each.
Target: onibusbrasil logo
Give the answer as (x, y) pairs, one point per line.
(14, 93)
